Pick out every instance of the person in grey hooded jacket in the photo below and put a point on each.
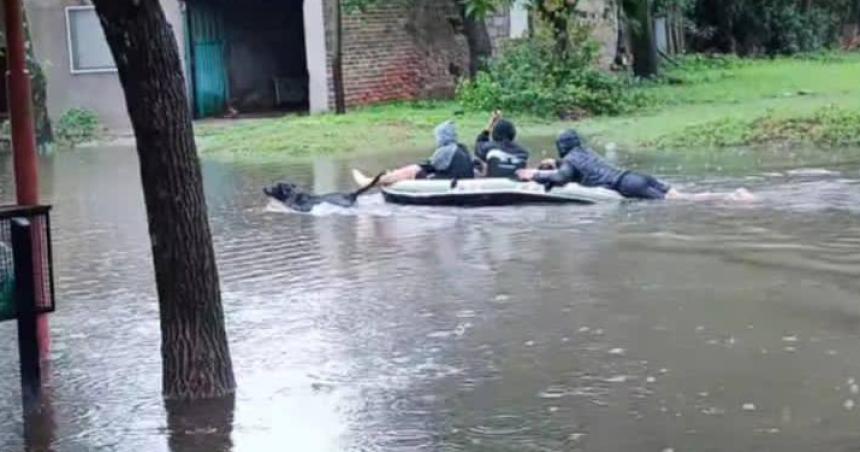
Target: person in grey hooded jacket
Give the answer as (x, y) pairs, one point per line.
(450, 160)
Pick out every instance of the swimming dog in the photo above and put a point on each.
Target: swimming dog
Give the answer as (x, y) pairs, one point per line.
(297, 199)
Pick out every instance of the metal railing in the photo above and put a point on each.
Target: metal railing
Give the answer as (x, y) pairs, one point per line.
(26, 288)
(25, 230)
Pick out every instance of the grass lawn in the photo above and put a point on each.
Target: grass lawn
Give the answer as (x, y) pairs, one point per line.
(735, 103)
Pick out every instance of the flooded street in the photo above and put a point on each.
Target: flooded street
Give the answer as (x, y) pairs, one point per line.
(637, 327)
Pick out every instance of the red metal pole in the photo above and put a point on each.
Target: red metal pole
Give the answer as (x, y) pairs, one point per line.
(23, 128)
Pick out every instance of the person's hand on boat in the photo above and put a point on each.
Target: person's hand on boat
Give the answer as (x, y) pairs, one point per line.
(547, 164)
(526, 174)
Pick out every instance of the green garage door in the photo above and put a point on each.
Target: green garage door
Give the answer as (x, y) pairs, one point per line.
(208, 47)
(7, 283)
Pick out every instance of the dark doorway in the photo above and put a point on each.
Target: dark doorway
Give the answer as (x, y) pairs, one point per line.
(268, 68)
(4, 101)
(262, 60)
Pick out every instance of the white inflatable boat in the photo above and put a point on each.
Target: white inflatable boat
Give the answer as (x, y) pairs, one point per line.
(491, 192)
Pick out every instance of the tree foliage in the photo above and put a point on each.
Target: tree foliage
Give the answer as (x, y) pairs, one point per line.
(529, 76)
(750, 27)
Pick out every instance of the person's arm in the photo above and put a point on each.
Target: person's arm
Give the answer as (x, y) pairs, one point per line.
(427, 169)
(564, 174)
(497, 115)
(482, 145)
(548, 165)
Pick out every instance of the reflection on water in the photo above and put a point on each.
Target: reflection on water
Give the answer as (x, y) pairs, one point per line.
(626, 328)
(201, 425)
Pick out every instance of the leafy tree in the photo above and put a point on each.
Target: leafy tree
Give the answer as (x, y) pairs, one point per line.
(44, 132)
(768, 26)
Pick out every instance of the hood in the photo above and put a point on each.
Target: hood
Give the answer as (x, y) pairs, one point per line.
(567, 141)
(446, 133)
(504, 131)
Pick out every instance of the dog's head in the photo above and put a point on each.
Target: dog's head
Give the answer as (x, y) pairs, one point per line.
(291, 195)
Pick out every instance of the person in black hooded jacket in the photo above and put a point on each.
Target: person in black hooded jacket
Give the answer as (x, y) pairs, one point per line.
(585, 167)
(497, 142)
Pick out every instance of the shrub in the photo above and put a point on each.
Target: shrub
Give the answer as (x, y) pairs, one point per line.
(772, 27)
(828, 126)
(529, 76)
(78, 126)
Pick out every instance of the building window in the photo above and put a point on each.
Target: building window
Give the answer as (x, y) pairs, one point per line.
(88, 48)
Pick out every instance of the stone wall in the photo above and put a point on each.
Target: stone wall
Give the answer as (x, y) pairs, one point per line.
(397, 52)
(602, 15)
(499, 28)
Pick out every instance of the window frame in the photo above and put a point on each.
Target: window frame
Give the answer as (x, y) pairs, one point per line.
(70, 46)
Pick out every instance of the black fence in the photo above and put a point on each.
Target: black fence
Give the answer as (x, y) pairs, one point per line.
(19, 225)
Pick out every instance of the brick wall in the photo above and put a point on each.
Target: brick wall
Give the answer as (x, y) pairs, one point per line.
(396, 52)
(412, 50)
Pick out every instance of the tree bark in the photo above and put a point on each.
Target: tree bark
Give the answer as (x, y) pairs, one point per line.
(645, 58)
(196, 357)
(44, 132)
(726, 26)
(337, 62)
(205, 425)
(558, 19)
(857, 12)
(477, 38)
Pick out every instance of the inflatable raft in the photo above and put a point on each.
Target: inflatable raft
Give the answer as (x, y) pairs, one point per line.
(491, 192)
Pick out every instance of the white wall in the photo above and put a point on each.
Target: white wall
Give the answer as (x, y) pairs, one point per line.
(315, 48)
(519, 19)
(99, 92)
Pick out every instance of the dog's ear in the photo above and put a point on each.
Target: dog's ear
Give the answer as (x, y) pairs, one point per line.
(279, 191)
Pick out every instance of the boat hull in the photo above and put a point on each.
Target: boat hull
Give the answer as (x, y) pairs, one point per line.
(491, 192)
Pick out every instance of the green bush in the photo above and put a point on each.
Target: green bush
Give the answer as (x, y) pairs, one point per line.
(772, 27)
(77, 126)
(529, 76)
(828, 126)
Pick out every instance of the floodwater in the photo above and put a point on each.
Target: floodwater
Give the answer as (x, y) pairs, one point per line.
(638, 327)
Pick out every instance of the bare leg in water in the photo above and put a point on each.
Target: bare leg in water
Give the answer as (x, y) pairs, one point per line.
(741, 194)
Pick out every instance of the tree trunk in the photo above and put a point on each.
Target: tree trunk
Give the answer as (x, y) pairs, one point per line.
(337, 61)
(645, 58)
(477, 38)
(196, 357)
(857, 12)
(558, 20)
(727, 43)
(200, 425)
(42, 123)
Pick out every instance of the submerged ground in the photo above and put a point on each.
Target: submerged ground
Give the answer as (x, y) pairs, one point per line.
(701, 103)
(638, 327)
